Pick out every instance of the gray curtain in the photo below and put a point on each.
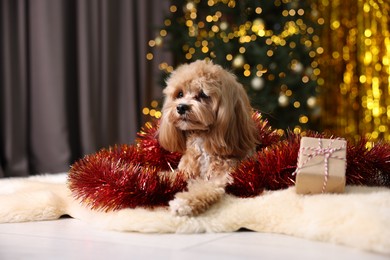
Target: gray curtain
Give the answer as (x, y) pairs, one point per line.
(73, 79)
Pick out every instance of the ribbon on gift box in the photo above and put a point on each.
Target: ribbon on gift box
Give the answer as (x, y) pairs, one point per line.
(327, 152)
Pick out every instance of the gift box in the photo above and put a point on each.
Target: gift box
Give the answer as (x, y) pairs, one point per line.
(321, 166)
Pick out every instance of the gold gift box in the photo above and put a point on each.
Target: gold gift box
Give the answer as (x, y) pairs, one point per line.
(312, 166)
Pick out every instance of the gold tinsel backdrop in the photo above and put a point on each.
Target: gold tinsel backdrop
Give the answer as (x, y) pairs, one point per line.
(355, 71)
(351, 59)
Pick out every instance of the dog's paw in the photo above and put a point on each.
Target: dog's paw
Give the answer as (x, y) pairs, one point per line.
(180, 207)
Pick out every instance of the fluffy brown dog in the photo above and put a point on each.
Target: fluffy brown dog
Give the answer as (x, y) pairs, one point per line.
(207, 117)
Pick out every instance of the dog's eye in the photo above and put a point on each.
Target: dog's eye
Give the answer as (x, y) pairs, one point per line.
(179, 94)
(201, 95)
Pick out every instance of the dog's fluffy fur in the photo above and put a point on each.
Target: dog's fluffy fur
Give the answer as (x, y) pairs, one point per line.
(207, 117)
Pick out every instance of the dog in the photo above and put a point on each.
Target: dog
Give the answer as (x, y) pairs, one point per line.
(206, 116)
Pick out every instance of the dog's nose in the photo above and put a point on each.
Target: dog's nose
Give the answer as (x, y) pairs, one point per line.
(182, 108)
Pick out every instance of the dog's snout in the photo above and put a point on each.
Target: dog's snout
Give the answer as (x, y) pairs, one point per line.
(182, 109)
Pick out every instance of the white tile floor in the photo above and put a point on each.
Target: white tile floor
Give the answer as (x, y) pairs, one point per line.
(72, 239)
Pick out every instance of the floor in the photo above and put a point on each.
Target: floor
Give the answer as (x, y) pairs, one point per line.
(69, 238)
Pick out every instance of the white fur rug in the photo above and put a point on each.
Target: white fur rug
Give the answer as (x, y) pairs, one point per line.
(359, 218)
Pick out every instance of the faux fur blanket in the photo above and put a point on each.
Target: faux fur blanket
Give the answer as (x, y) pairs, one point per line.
(358, 218)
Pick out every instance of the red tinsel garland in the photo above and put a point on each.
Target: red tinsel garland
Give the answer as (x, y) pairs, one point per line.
(151, 151)
(117, 178)
(369, 167)
(266, 134)
(127, 176)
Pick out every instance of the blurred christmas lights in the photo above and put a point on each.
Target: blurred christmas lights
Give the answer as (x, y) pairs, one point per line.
(214, 26)
(350, 59)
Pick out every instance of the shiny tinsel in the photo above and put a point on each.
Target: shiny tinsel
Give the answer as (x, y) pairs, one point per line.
(116, 178)
(152, 153)
(266, 134)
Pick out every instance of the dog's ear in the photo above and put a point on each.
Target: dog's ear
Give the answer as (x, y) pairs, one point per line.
(169, 137)
(234, 132)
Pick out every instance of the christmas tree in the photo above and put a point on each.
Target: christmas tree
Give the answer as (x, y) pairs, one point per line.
(270, 45)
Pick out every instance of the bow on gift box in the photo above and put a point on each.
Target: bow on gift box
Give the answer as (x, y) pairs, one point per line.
(327, 152)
